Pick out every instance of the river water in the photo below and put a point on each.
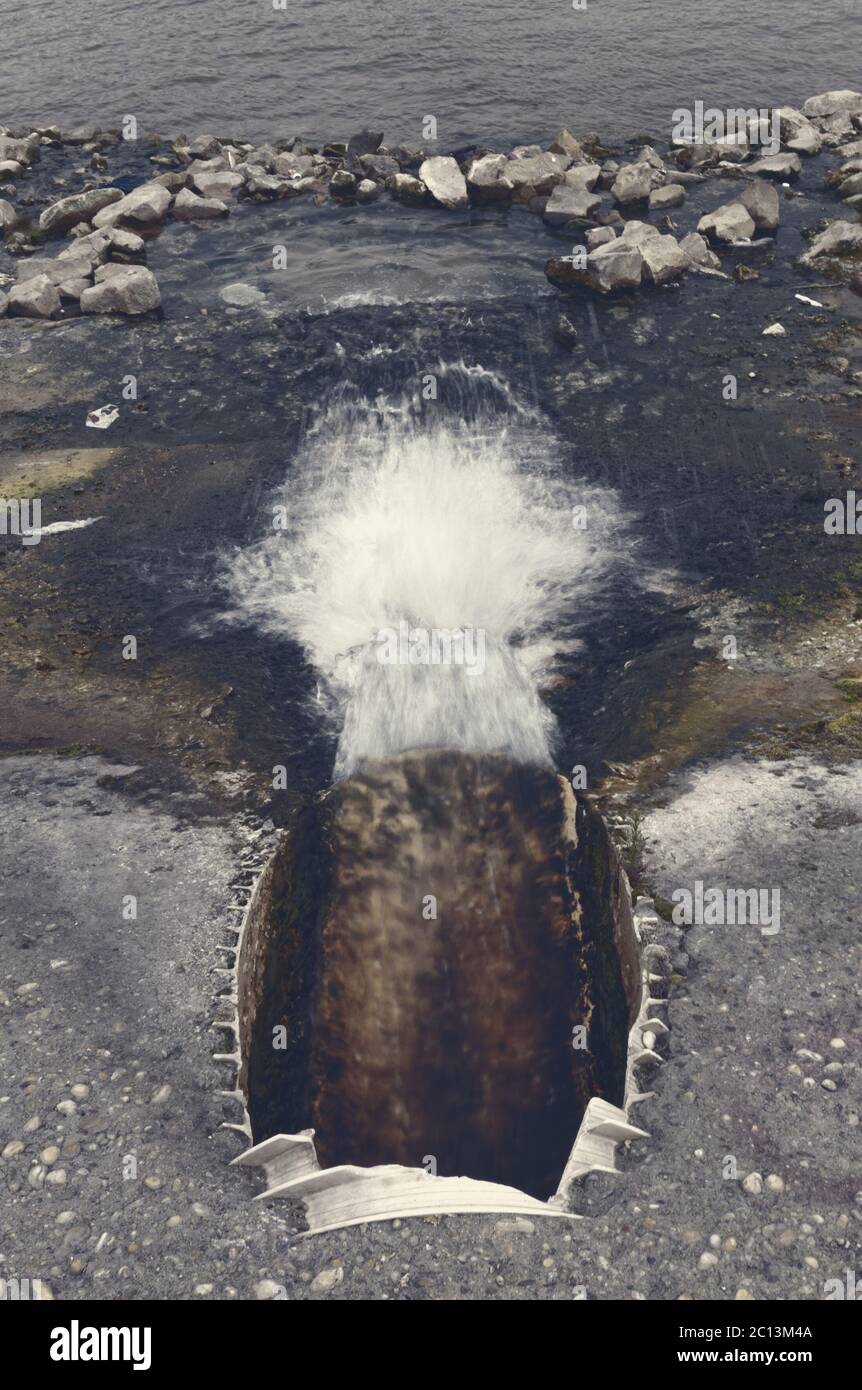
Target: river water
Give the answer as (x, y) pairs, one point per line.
(497, 72)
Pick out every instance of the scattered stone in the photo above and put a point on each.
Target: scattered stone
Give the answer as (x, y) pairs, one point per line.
(671, 195)
(21, 151)
(599, 236)
(189, 207)
(567, 145)
(753, 1184)
(164, 1092)
(838, 239)
(762, 204)
(487, 181)
(844, 102)
(80, 1091)
(775, 330)
(774, 1183)
(730, 222)
(614, 266)
(50, 1155)
(145, 205)
(241, 296)
(36, 298)
(80, 207)
(851, 186)
(635, 182)
(533, 174)
(267, 1289)
(742, 273)
(8, 215)
(697, 251)
(407, 188)
(12, 1149)
(568, 204)
(444, 181)
(327, 1279)
(565, 332)
(797, 132)
(707, 1260)
(368, 191)
(777, 166)
(131, 289)
(743, 1296)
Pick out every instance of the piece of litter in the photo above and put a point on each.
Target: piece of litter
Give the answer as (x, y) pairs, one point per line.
(803, 299)
(775, 330)
(57, 526)
(103, 417)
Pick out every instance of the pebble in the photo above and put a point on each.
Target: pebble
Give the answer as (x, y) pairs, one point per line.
(774, 1183)
(67, 1107)
(838, 1044)
(66, 1218)
(743, 1296)
(161, 1095)
(753, 1184)
(267, 1288)
(13, 1149)
(203, 1289)
(56, 1177)
(32, 1124)
(50, 1155)
(80, 1091)
(327, 1279)
(707, 1260)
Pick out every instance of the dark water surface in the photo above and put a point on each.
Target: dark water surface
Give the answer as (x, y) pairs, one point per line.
(498, 72)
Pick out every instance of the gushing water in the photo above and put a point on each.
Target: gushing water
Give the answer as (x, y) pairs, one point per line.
(401, 513)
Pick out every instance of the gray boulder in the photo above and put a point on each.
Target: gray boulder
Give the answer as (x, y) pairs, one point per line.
(730, 222)
(698, 252)
(126, 289)
(146, 206)
(368, 191)
(670, 196)
(762, 204)
(8, 215)
(80, 207)
(851, 185)
(797, 132)
(22, 151)
(343, 184)
(635, 182)
(35, 298)
(93, 247)
(444, 181)
(566, 144)
(222, 185)
(570, 204)
(190, 207)
(845, 102)
(379, 166)
(777, 166)
(487, 181)
(407, 189)
(265, 187)
(840, 238)
(614, 266)
(242, 296)
(204, 147)
(599, 236)
(533, 174)
(584, 176)
(81, 135)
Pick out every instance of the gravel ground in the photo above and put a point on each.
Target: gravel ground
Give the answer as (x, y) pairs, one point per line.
(114, 1173)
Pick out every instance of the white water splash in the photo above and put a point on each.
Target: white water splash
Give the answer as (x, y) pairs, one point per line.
(402, 513)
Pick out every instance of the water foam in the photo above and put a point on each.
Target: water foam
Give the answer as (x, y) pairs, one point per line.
(399, 511)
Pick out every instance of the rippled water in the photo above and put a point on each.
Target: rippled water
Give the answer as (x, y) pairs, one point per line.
(487, 71)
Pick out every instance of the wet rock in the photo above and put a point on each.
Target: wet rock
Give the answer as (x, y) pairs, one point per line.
(614, 266)
(777, 166)
(81, 135)
(843, 102)
(851, 186)
(566, 144)
(697, 251)
(22, 151)
(671, 195)
(220, 186)
(663, 260)
(125, 245)
(241, 296)
(146, 205)
(599, 236)
(487, 181)
(583, 176)
(837, 128)
(762, 203)
(173, 180)
(204, 147)
(379, 166)
(444, 181)
(797, 132)
(342, 184)
(130, 289)
(570, 204)
(10, 169)
(366, 142)
(742, 273)
(368, 191)
(71, 290)
(80, 207)
(407, 188)
(8, 215)
(327, 1279)
(266, 187)
(35, 298)
(189, 207)
(840, 238)
(730, 222)
(93, 247)
(635, 182)
(534, 174)
(565, 332)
